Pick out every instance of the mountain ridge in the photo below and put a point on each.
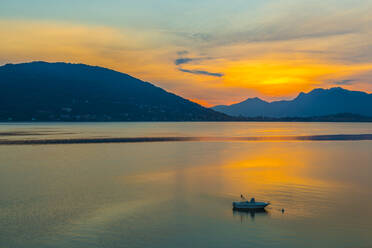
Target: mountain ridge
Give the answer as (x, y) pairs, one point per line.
(317, 102)
(59, 91)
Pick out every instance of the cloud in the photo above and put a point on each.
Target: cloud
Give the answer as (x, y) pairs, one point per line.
(186, 60)
(279, 22)
(344, 82)
(183, 52)
(200, 72)
(181, 61)
(273, 50)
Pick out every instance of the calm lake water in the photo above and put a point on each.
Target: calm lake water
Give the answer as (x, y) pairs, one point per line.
(179, 194)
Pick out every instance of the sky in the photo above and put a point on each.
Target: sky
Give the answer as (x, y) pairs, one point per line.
(209, 51)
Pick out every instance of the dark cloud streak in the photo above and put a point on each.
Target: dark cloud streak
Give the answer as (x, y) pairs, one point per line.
(184, 52)
(185, 60)
(181, 61)
(344, 82)
(200, 72)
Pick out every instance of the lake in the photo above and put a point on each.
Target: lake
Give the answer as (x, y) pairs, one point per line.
(179, 194)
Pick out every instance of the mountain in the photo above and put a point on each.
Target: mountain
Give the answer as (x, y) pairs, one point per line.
(318, 102)
(44, 91)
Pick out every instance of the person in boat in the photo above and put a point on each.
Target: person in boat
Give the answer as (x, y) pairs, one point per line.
(253, 200)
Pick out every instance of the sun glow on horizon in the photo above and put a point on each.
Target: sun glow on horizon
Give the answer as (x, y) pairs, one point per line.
(208, 68)
(282, 77)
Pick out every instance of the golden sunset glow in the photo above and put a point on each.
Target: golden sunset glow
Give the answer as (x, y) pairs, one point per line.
(280, 77)
(185, 123)
(223, 63)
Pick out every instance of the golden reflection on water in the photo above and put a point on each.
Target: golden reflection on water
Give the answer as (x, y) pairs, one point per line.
(278, 173)
(274, 164)
(284, 173)
(183, 191)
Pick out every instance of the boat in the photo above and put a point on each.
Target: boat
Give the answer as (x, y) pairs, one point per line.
(249, 205)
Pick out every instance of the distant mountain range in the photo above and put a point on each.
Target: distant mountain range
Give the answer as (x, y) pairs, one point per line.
(41, 91)
(318, 102)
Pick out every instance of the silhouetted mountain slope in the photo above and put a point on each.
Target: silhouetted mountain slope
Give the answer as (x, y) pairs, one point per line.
(318, 102)
(76, 92)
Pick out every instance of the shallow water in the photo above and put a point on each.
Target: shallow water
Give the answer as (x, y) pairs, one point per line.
(179, 194)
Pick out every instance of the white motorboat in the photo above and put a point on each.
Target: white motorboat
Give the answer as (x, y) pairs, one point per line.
(249, 205)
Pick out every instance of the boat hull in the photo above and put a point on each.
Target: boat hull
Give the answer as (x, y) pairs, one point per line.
(249, 206)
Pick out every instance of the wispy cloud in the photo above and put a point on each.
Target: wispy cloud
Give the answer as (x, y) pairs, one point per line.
(183, 52)
(200, 72)
(344, 82)
(185, 60)
(270, 49)
(181, 61)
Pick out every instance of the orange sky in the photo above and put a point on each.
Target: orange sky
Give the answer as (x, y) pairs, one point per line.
(273, 58)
